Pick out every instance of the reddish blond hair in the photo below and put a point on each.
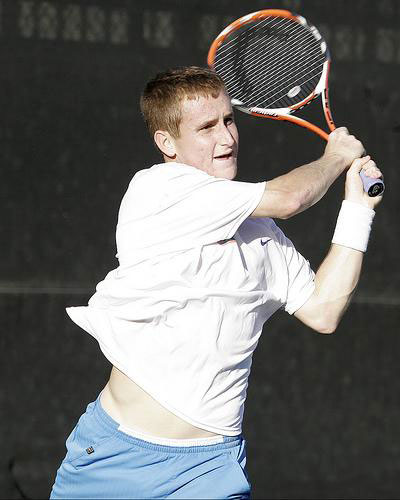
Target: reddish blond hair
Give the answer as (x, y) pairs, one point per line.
(161, 100)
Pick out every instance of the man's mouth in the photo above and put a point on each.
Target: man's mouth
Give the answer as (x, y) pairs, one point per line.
(224, 156)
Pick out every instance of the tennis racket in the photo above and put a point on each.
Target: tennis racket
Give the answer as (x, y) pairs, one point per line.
(274, 63)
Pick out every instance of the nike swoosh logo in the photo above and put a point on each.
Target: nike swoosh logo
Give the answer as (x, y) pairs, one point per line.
(264, 242)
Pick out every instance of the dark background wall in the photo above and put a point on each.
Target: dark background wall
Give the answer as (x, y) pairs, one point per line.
(322, 418)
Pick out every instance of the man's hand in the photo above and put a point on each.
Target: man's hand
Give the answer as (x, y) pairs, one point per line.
(340, 143)
(354, 187)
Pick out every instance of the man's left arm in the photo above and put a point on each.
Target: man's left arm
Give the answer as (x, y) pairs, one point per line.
(338, 275)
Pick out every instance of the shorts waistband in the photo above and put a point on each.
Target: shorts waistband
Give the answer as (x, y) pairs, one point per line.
(156, 443)
(170, 441)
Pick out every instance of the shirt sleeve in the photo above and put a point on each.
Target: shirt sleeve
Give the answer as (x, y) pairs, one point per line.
(300, 277)
(177, 206)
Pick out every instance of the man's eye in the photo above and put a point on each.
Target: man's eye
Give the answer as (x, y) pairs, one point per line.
(229, 121)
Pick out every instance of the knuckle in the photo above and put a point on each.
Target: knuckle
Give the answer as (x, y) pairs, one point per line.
(341, 131)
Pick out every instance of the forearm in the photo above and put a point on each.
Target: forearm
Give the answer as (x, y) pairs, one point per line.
(302, 187)
(299, 189)
(338, 275)
(335, 283)
(307, 183)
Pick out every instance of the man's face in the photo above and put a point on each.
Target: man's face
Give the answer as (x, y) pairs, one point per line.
(208, 136)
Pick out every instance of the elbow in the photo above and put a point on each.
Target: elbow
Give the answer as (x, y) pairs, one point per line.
(319, 316)
(293, 205)
(326, 329)
(326, 326)
(323, 322)
(299, 201)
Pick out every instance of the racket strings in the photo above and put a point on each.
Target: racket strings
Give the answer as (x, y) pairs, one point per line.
(275, 78)
(309, 88)
(255, 27)
(262, 88)
(262, 71)
(290, 28)
(249, 48)
(255, 34)
(266, 76)
(285, 59)
(298, 78)
(259, 61)
(258, 26)
(265, 86)
(228, 44)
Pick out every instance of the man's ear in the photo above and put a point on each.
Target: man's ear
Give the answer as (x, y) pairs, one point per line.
(165, 143)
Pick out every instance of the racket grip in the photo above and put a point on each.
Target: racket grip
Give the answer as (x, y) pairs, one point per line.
(374, 187)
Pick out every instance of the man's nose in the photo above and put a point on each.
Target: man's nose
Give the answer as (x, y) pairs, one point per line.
(226, 137)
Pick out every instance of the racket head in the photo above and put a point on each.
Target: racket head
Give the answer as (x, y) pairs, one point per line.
(273, 62)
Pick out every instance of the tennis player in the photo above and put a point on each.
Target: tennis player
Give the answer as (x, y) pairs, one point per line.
(202, 267)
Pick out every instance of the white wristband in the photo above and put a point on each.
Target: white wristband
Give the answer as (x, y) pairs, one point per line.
(353, 226)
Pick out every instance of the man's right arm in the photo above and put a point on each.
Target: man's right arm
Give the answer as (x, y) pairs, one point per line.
(299, 189)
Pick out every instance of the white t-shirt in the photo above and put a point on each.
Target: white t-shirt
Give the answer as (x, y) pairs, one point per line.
(183, 312)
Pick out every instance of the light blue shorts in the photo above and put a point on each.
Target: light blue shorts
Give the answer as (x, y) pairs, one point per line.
(104, 462)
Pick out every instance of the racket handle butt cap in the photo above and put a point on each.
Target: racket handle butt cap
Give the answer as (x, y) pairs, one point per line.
(374, 187)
